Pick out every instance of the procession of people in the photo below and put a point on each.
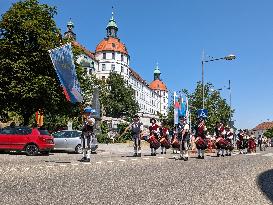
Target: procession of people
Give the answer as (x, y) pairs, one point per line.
(180, 138)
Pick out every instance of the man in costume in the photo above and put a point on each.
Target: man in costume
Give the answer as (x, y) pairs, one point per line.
(87, 133)
(229, 138)
(154, 137)
(240, 141)
(200, 133)
(137, 128)
(184, 138)
(220, 141)
(164, 138)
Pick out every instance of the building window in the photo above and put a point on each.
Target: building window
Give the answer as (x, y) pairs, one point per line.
(104, 56)
(103, 78)
(121, 69)
(122, 57)
(113, 56)
(103, 68)
(113, 67)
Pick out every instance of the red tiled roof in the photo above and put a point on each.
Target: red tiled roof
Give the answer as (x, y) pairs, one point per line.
(90, 54)
(264, 126)
(158, 85)
(111, 44)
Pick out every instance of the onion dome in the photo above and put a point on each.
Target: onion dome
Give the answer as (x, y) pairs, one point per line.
(111, 44)
(158, 85)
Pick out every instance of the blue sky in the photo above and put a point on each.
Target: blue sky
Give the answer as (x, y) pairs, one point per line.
(175, 32)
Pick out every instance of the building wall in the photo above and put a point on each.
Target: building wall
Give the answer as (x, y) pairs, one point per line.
(151, 102)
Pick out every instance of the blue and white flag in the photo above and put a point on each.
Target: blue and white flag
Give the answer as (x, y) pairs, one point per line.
(62, 59)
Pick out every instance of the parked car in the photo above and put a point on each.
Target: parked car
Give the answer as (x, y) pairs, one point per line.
(30, 140)
(70, 141)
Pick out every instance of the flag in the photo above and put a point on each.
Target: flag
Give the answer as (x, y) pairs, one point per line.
(176, 106)
(62, 59)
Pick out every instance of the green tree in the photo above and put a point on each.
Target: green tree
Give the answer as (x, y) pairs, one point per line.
(28, 79)
(218, 108)
(269, 133)
(120, 100)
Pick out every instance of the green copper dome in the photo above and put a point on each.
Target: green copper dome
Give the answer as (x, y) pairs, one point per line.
(157, 71)
(112, 22)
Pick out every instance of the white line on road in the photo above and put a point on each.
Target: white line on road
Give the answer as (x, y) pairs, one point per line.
(160, 157)
(87, 163)
(122, 160)
(98, 162)
(110, 161)
(146, 158)
(134, 159)
(268, 155)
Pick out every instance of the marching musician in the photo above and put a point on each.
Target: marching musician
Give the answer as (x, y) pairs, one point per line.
(184, 138)
(164, 138)
(220, 141)
(200, 132)
(87, 133)
(229, 138)
(154, 136)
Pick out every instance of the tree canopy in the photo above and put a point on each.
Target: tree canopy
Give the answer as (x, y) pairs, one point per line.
(28, 79)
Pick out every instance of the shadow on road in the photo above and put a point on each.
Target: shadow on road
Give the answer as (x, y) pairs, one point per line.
(265, 182)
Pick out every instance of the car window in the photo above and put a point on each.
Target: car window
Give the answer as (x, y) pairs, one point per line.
(76, 134)
(43, 132)
(58, 134)
(8, 131)
(23, 130)
(67, 134)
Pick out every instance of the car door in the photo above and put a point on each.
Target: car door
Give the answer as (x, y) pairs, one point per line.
(20, 138)
(59, 140)
(5, 135)
(74, 140)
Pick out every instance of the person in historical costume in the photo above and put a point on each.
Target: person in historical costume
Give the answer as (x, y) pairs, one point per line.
(220, 140)
(240, 141)
(164, 138)
(251, 143)
(200, 133)
(174, 141)
(245, 141)
(229, 139)
(136, 129)
(184, 138)
(87, 133)
(154, 137)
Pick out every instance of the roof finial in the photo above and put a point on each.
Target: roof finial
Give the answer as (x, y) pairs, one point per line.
(112, 13)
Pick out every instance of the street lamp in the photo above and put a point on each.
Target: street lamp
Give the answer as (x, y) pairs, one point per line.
(229, 57)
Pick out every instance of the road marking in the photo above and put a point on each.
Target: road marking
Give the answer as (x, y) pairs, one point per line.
(268, 155)
(87, 163)
(110, 161)
(122, 160)
(160, 157)
(62, 165)
(134, 159)
(146, 158)
(74, 164)
(98, 162)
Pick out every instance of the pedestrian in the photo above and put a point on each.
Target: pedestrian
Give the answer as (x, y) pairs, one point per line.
(229, 138)
(87, 133)
(184, 138)
(164, 138)
(154, 137)
(220, 141)
(200, 133)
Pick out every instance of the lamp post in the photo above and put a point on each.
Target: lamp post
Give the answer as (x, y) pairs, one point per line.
(229, 57)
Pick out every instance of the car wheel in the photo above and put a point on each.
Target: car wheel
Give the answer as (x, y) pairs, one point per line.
(31, 150)
(78, 149)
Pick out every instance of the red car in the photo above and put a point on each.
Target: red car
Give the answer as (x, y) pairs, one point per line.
(30, 140)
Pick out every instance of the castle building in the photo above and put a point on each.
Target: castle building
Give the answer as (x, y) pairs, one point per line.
(111, 55)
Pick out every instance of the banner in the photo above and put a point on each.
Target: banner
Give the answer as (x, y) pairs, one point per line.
(62, 59)
(176, 106)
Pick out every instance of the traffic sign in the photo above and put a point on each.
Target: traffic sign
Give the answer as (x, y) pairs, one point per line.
(202, 113)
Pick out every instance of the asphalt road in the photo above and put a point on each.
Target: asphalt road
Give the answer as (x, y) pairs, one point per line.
(121, 179)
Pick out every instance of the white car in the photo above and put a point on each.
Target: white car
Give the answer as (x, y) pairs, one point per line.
(70, 140)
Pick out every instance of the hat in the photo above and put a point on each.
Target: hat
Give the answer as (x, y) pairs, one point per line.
(89, 109)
